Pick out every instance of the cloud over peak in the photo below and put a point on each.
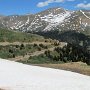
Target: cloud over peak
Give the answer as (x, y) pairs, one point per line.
(46, 3)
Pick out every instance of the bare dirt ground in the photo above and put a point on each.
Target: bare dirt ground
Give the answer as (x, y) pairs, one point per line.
(78, 67)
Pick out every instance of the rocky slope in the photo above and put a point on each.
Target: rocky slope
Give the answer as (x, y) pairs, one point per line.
(51, 19)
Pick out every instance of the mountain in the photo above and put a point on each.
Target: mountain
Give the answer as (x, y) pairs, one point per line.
(51, 19)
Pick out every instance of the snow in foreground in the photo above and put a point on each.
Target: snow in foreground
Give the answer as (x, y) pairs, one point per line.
(17, 76)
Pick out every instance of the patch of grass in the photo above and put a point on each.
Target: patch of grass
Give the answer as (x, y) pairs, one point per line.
(10, 51)
(41, 59)
(12, 36)
(38, 59)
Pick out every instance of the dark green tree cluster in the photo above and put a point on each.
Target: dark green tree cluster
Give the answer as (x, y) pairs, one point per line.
(70, 53)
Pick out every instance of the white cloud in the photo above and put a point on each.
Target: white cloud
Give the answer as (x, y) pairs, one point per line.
(83, 5)
(46, 3)
(42, 4)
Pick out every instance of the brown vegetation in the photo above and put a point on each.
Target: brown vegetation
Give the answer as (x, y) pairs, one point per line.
(78, 67)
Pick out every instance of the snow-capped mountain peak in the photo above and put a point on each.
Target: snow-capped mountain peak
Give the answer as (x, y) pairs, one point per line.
(50, 19)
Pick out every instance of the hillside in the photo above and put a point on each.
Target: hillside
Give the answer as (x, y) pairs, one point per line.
(17, 45)
(16, 36)
(31, 48)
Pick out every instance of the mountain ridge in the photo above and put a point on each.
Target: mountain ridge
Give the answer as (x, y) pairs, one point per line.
(50, 19)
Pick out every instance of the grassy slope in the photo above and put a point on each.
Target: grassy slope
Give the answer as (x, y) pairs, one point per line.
(11, 36)
(12, 41)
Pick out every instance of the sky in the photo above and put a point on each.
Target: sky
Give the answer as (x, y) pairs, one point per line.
(11, 7)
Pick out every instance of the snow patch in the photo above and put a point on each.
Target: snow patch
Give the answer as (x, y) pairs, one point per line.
(17, 76)
(56, 18)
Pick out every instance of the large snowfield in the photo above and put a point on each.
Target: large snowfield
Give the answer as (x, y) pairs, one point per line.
(17, 76)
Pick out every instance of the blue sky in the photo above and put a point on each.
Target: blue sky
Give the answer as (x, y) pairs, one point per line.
(10, 7)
